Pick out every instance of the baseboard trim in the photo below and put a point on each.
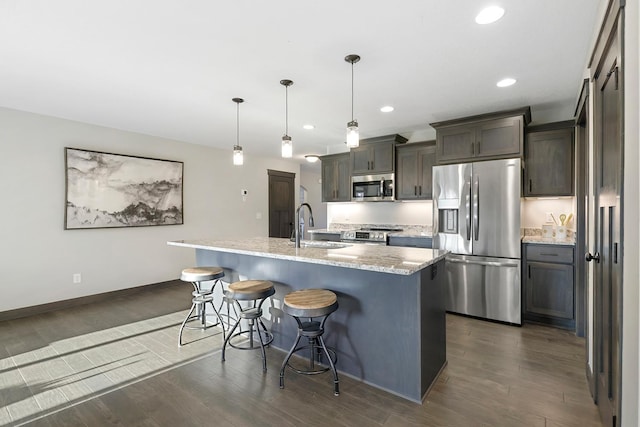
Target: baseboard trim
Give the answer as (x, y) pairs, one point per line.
(74, 302)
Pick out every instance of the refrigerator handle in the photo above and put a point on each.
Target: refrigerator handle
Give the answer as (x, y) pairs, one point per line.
(468, 210)
(476, 208)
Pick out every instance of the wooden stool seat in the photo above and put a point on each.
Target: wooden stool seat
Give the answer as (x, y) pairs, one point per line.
(250, 289)
(310, 303)
(201, 274)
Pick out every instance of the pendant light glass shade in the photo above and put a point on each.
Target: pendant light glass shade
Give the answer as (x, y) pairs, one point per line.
(287, 143)
(353, 133)
(287, 147)
(238, 156)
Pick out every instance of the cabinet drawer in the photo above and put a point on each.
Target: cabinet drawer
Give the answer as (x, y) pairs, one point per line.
(550, 253)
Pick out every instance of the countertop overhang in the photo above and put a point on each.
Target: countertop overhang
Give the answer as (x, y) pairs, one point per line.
(383, 259)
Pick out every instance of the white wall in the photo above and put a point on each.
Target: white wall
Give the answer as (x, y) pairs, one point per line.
(534, 211)
(39, 257)
(408, 213)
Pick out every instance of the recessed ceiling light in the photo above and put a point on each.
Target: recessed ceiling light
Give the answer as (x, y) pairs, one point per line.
(308, 127)
(489, 14)
(386, 109)
(506, 82)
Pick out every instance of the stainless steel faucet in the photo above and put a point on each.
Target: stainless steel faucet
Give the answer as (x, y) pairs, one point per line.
(297, 224)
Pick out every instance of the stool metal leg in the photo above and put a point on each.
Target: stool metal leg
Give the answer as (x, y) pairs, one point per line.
(228, 337)
(336, 390)
(184, 322)
(286, 360)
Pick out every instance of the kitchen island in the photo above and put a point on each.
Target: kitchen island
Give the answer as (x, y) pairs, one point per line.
(389, 330)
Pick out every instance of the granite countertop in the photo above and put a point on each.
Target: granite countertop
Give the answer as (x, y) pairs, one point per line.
(412, 233)
(323, 230)
(548, 240)
(383, 259)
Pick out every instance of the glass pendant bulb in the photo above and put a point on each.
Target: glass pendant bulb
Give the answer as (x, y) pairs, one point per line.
(287, 147)
(353, 134)
(238, 158)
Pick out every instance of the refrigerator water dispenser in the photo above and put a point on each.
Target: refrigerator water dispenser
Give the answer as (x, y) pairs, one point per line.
(448, 221)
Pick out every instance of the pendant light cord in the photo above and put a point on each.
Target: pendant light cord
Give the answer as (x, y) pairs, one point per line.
(352, 91)
(286, 110)
(238, 123)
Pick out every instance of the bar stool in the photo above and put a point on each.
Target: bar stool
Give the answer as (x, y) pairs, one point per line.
(201, 297)
(311, 303)
(255, 291)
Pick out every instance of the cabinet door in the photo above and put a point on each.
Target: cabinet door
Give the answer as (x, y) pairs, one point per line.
(455, 143)
(549, 163)
(407, 174)
(382, 157)
(361, 160)
(343, 178)
(549, 290)
(427, 159)
(499, 138)
(329, 174)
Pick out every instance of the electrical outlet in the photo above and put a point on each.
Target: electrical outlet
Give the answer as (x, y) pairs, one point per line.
(77, 278)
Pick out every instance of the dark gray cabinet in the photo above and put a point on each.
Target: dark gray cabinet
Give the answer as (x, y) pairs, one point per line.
(549, 162)
(489, 136)
(336, 178)
(375, 155)
(414, 163)
(411, 241)
(549, 295)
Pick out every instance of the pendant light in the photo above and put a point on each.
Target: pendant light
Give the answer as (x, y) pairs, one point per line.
(238, 158)
(353, 133)
(287, 143)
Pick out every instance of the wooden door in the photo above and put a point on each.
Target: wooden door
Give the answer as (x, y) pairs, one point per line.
(608, 224)
(281, 203)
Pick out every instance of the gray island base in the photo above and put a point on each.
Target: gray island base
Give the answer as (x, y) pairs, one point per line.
(389, 330)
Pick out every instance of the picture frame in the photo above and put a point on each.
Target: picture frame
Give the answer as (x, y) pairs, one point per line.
(108, 190)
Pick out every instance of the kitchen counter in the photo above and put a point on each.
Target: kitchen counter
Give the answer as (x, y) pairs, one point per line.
(383, 259)
(548, 240)
(390, 328)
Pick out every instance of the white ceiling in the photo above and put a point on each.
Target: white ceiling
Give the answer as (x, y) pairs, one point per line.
(170, 68)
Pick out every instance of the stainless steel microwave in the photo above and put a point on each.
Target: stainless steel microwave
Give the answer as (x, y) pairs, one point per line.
(372, 188)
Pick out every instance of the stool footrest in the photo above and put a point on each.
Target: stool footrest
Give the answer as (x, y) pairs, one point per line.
(317, 351)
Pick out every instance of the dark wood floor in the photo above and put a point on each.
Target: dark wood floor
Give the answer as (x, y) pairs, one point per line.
(117, 363)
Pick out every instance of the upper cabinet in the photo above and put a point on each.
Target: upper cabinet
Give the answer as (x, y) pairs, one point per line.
(375, 155)
(414, 163)
(549, 160)
(336, 178)
(489, 136)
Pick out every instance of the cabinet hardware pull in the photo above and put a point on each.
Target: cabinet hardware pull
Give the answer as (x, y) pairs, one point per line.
(420, 189)
(615, 253)
(473, 149)
(415, 190)
(530, 186)
(529, 267)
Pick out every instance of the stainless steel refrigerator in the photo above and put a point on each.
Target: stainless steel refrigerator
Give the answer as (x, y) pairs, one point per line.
(476, 216)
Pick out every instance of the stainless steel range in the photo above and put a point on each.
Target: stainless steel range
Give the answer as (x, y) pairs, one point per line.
(372, 236)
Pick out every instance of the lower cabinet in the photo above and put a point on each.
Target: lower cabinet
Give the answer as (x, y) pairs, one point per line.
(548, 278)
(412, 242)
